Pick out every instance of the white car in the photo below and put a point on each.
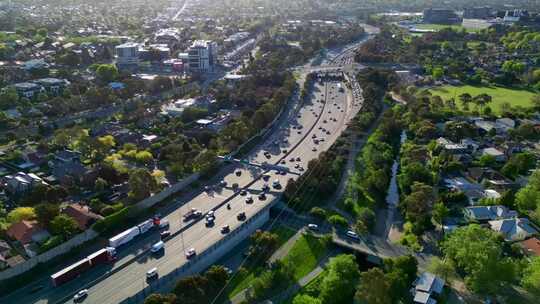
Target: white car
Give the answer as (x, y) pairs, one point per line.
(152, 273)
(191, 253)
(313, 226)
(352, 235)
(81, 295)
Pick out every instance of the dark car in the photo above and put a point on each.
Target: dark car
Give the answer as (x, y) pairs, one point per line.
(225, 229)
(241, 216)
(164, 234)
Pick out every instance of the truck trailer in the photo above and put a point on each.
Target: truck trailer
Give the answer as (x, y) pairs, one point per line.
(101, 256)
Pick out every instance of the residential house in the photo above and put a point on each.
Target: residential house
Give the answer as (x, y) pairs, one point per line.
(21, 182)
(531, 247)
(27, 231)
(513, 229)
(67, 167)
(426, 287)
(473, 191)
(497, 154)
(488, 213)
(82, 215)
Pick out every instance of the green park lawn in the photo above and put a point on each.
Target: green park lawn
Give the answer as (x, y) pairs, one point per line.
(500, 95)
(243, 279)
(305, 254)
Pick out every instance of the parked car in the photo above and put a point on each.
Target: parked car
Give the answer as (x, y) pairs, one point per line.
(241, 216)
(249, 199)
(352, 235)
(314, 227)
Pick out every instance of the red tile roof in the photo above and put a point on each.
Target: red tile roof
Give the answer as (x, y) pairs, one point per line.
(531, 246)
(82, 215)
(23, 231)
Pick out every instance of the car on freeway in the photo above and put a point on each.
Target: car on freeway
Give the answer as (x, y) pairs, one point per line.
(276, 184)
(298, 159)
(152, 273)
(262, 196)
(190, 253)
(266, 177)
(243, 192)
(265, 188)
(241, 216)
(249, 199)
(313, 227)
(291, 159)
(301, 169)
(225, 229)
(210, 214)
(314, 149)
(238, 172)
(164, 234)
(80, 295)
(283, 162)
(235, 186)
(296, 166)
(157, 247)
(284, 151)
(353, 235)
(209, 222)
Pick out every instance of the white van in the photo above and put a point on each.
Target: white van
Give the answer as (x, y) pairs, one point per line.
(157, 247)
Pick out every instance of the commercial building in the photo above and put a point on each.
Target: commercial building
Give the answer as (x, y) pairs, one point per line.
(202, 56)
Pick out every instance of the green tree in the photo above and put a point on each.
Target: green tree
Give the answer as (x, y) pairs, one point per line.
(141, 184)
(373, 288)
(262, 245)
(21, 213)
(157, 298)
(477, 252)
(8, 98)
(440, 211)
(338, 285)
(46, 212)
(442, 268)
(107, 72)
(64, 226)
(305, 299)
(338, 221)
(531, 277)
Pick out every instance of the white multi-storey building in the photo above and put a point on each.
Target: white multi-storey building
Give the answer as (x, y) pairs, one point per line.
(202, 56)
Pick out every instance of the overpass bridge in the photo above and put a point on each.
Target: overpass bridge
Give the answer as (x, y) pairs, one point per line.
(376, 249)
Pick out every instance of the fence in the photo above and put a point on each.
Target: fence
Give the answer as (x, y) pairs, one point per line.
(49, 254)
